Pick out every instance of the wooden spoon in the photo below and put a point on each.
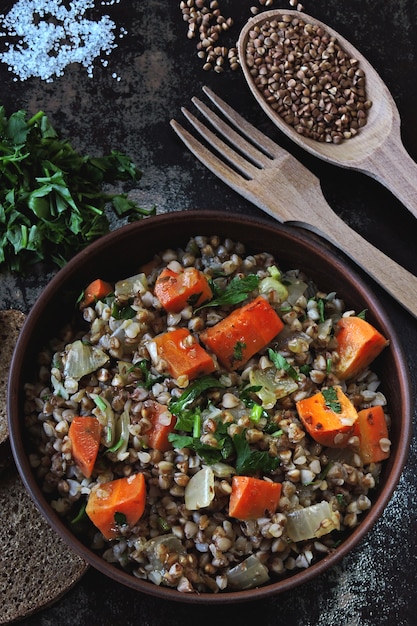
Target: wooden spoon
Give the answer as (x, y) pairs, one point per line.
(377, 149)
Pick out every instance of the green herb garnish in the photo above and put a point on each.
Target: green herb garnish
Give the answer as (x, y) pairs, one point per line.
(250, 461)
(320, 307)
(340, 499)
(81, 515)
(189, 417)
(238, 350)
(192, 392)
(52, 202)
(149, 379)
(187, 420)
(120, 519)
(164, 524)
(256, 412)
(234, 293)
(122, 312)
(223, 450)
(100, 403)
(330, 399)
(281, 363)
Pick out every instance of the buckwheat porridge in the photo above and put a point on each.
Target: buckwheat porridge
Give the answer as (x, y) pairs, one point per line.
(212, 422)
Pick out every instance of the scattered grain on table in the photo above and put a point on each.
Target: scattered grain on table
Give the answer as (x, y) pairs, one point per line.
(208, 23)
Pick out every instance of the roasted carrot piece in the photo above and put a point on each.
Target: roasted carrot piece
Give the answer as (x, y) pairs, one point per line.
(240, 335)
(118, 502)
(175, 290)
(372, 430)
(183, 354)
(162, 423)
(96, 290)
(328, 416)
(359, 343)
(252, 498)
(84, 433)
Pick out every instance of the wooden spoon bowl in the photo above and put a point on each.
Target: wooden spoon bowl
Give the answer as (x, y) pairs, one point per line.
(377, 149)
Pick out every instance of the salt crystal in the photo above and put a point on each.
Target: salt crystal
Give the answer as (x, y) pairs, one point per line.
(46, 37)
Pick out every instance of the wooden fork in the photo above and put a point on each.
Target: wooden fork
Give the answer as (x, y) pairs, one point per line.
(271, 178)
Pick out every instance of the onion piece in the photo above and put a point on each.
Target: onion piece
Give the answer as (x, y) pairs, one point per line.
(312, 522)
(130, 287)
(199, 491)
(288, 337)
(272, 388)
(82, 359)
(158, 549)
(222, 470)
(248, 574)
(296, 288)
(58, 388)
(269, 284)
(122, 433)
(324, 329)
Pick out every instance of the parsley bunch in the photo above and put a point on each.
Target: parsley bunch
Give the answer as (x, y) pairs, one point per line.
(52, 202)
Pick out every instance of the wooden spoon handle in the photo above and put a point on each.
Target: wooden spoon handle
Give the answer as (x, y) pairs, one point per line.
(397, 281)
(392, 166)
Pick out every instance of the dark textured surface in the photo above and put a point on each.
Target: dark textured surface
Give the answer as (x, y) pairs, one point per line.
(159, 72)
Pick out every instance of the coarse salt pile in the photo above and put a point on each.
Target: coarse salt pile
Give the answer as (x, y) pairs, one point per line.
(44, 37)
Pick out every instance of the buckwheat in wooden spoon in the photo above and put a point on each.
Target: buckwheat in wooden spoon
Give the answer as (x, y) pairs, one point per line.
(323, 94)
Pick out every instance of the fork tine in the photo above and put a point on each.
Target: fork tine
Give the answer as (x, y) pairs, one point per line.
(272, 149)
(235, 159)
(210, 160)
(225, 173)
(246, 148)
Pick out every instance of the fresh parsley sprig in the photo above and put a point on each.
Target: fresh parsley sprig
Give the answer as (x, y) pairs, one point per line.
(234, 293)
(281, 363)
(250, 461)
(193, 391)
(148, 378)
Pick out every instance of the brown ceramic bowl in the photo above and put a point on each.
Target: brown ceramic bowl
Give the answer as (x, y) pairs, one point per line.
(114, 256)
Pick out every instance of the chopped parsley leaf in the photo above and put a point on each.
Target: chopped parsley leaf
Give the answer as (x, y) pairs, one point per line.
(235, 292)
(149, 379)
(238, 350)
(250, 461)
(281, 363)
(330, 399)
(120, 519)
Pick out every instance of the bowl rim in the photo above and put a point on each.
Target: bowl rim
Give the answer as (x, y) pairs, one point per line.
(274, 588)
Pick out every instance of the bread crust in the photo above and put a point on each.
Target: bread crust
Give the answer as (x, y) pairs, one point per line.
(36, 566)
(11, 322)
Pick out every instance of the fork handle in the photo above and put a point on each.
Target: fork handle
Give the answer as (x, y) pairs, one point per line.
(397, 281)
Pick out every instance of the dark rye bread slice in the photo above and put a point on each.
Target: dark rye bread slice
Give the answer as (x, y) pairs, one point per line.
(11, 322)
(36, 565)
